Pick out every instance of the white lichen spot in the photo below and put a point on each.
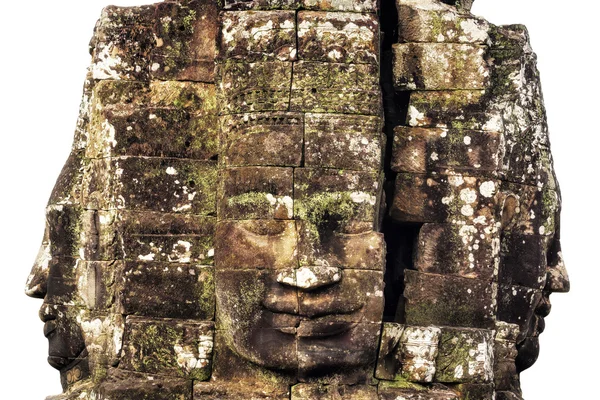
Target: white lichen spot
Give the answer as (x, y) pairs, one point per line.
(171, 171)
(468, 195)
(487, 189)
(147, 257)
(466, 210)
(434, 156)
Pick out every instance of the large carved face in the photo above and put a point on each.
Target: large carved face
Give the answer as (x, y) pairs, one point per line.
(251, 204)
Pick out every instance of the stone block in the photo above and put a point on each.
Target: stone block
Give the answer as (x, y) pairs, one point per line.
(335, 195)
(523, 260)
(171, 347)
(357, 297)
(469, 251)
(243, 390)
(139, 184)
(502, 395)
(324, 5)
(439, 66)
(468, 391)
(359, 248)
(256, 244)
(388, 359)
(127, 385)
(465, 355)
(338, 37)
(67, 189)
(122, 43)
(460, 109)
(538, 209)
(336, 88)
(189, 110)
(66, 230)
(516, 305)
(439, 198)
(305, 391)
(409, 391)
(267, 139)
(347, 356)
(258, 35)
(256, 193)
(254, 87)
(343, 141)
(448, 151)
(449, 301)
(417, 352)
(158, 289)
(185, 37)
(506, 376)
(437, 22)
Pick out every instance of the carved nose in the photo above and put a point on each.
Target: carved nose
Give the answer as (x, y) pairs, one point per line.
(310, 277)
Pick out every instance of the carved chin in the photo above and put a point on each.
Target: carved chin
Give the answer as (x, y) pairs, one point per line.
(528, 353)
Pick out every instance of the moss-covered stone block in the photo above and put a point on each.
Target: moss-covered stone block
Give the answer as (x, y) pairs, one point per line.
(256, 193)
(241, 390)
(67, 189)
(469, 251)
(388, 360)
(338, 37)
(171, 347)
(439, 66)
(156, 289)
(449, 301)
(392, 391)
(253, 87)
(343, 141)
(448, 151)
(185, 37)
(506, 376)
(256, 244)
(128, 385)
(436, 22)
(139, 184)
(267, 139)
(465, 355)
(306, 391)
(324, 5)
(418, 349)
(336, 88)
(258, 35)
(439, 198)
(467, 391)
(122, 43)
(460, 109)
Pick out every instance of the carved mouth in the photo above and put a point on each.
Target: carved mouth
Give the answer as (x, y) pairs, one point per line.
(321, 327)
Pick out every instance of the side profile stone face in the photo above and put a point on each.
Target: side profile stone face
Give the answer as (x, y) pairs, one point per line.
(302, 199)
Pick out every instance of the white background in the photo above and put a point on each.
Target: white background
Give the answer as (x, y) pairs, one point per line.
(42, 68)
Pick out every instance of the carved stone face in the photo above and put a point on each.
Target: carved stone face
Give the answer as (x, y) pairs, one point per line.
(259, 207)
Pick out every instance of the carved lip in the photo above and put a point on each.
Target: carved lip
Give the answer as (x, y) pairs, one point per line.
(320, 327)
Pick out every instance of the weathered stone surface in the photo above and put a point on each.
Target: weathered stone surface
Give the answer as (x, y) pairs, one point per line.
(468, 391)
(431, 22)
(460, 109)
(167, 290)
(538, 209)
(185, 37)
(523, 260)
(239, 391)
(338, 37)
(253, 87)
(125, 385)
(258, 36)
(335, 88)
(506, 376)
(465, 355)
(335, 195)
(418, 351)
(448, 151)
(439, 66)
(256, 193)
(147, 127)
(516, 305)
(256, 244)
(343, 141)
(335, 5)
(169, 347)
(449, 301)
(140, 183)
(469, 251)
(359, 246)
(388, 360)
(438, 198)
(409, 391)
(267, 139)
(305, 391)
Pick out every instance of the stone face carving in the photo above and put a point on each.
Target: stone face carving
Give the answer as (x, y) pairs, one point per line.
(300, 199)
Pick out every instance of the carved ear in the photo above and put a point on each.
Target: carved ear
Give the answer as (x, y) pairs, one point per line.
(510, 208)
(460, 4)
